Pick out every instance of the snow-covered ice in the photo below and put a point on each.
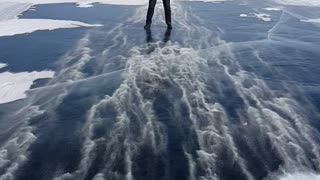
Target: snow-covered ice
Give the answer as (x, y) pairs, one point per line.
(82, 3)
(2, 65)
(312, 20)
(273, 9)
(200, 83)
(301, 176)
(13, 86)
(22, 26)
(87, 3)
(263, 17)
(299, 2)
(10, 10)
(11, 25)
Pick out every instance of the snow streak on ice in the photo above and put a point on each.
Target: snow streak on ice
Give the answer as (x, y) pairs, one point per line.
(2, 65)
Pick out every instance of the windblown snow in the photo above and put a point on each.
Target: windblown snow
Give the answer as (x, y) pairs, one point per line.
(13, 86)
(275, 117)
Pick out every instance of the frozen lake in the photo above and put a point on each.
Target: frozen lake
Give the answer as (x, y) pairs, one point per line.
(231, 93)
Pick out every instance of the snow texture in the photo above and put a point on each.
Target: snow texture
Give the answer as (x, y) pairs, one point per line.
(10, 10)
(22, 26)
(2, 65)
(87, 3)
(273, 9)
(263, 17)
(299, 2)
(312, 20)
(13, 86)
(301, 176)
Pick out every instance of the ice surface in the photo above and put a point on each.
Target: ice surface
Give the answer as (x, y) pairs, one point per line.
(14, 85)
(86, 3)
(119, 2)
(10, 10)
(118, 106)
(22, 26)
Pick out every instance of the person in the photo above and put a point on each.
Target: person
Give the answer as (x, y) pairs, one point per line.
(167, 10)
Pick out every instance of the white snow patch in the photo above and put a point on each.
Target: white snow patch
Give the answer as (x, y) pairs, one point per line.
(273, 9)
(263, 17)
(11, 25)
(299, 2)
(22, 26)
(10, 10)
(14, 85)
(2, 65)
(301, 176)
(312, 20)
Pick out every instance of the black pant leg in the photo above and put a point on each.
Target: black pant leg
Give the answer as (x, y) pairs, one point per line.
(152, 5)
(167, 10)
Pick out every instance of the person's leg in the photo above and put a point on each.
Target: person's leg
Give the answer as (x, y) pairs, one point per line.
(167, 10)
(152, 5)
